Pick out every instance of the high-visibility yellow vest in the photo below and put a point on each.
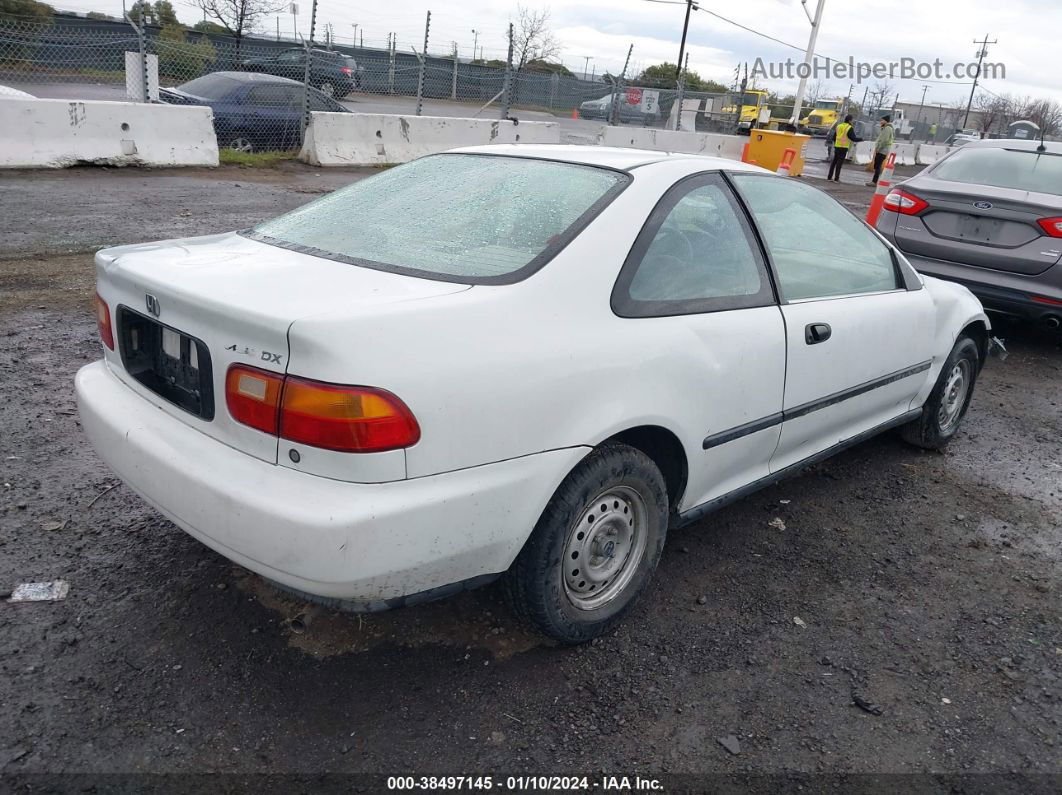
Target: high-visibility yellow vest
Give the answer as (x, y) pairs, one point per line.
(841, 141)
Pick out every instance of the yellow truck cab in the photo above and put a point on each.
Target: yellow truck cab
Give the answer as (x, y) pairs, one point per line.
(822, 116)
(753, 102)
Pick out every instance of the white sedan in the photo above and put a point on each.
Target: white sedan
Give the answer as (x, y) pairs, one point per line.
(526, 361)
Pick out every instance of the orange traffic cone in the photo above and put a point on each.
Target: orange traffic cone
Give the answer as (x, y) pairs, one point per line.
(884, 184)
(787, 161)
(575, 113)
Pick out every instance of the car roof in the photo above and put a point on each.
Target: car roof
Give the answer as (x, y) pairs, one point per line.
(1021, 144)
(254, 77)
(607, 156)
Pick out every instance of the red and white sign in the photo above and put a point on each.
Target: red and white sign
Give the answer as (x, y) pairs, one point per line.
(634, 96)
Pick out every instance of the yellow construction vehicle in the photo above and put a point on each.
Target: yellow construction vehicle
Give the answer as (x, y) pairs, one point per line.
(822, 116)
(753, 103)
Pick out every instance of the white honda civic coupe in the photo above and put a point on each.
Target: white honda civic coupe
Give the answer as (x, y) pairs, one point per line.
(517, 361)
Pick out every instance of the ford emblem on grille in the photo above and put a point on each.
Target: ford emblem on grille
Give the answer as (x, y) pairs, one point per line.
(983, 205)
(153, 305)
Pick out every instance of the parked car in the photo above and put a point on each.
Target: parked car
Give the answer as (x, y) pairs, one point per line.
(334, 73)
(6, 92)
(252, 112)
(989, 216)
(960, 139)
(376, 405)
(602, 109)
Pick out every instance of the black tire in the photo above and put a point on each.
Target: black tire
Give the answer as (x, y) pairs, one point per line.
(538, 586)
(929, 431)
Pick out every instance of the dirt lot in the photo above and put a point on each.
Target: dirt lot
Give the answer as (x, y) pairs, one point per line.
(925, 584)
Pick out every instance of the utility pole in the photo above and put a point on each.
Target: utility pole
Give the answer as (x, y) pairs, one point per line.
(681, 92)
(690, 5)
(981, 53)
(921, 105)
(355, 26)
(295, 19)
(475, 41)
(507, 86)
(809, 57)
(586, 64)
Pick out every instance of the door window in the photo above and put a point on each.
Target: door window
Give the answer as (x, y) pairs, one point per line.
(694, 254)
(276, 96)
(818, 248)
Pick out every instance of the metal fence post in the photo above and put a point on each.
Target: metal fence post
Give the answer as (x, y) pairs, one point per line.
(391, 47)
(423, 62)
(507, 89)
(681, 93)
(453, 82)
(306, 72)
(613, 116)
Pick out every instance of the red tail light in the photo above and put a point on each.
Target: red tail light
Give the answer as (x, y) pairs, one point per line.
(1052, 226)
(900, 201)
(348, 419)
(346, 70)
(103, 322)
(253, 397)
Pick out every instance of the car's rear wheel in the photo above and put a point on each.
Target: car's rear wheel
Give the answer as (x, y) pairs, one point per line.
(328, 88)
(240, 143)
(946, 405)
(595, 547)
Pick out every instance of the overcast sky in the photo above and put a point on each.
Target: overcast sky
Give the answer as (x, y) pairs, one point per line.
(868, 30)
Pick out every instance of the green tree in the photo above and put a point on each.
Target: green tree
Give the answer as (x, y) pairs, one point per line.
(179, 57)
(165, 14)
(97, 15)
(206, 26)
(539, 65)
(27, 8)
(662, 75)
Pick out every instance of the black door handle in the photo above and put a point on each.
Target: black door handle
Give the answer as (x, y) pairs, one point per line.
(815, 333)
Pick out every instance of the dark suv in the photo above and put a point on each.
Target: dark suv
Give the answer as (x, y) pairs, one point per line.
(335, 74)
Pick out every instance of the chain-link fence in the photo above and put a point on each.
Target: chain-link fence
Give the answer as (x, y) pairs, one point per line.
(255, 85)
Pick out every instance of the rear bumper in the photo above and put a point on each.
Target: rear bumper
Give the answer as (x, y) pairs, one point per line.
(369, 544)
(1009, 294)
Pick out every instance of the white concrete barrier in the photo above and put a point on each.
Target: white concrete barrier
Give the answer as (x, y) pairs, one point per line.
(906, 154)
(717, 145)
(363, 139)
(56, 133)
(929, 153)
(863, 152)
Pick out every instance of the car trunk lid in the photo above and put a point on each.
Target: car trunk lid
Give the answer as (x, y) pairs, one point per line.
(989, 228)
(185, 310)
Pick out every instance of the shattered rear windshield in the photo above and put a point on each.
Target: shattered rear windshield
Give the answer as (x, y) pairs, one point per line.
(455, 217)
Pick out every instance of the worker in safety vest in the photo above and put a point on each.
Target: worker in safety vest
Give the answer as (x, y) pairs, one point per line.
(843, 137)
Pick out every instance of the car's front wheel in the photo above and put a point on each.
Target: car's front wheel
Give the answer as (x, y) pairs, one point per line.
(240, 143)
(595, 547)
(947, 403)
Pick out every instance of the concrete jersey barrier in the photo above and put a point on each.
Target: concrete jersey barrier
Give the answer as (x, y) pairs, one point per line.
(863, 152)
(906, 154)
(928, 154)
(364, 139)
(57, 133)
(717, 145)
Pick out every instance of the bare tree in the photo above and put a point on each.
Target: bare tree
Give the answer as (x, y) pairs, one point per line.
(878, 96)
(532, 37)
(815, 92)
(1046, 113)
(991, 111)
(238, 17)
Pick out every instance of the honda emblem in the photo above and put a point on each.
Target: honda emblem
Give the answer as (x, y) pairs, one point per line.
(153, 305)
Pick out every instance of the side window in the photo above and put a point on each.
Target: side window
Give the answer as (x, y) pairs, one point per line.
(275, 96)
(818, 248)
(694, 254)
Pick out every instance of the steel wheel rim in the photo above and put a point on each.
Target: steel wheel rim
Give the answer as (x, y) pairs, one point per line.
(604, 548)
(241, 145)
(953, 397)
(328, 90)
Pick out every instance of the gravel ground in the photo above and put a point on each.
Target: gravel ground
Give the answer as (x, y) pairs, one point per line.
(925, 586)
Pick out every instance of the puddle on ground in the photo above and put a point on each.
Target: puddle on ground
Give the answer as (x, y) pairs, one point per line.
(465, 621)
